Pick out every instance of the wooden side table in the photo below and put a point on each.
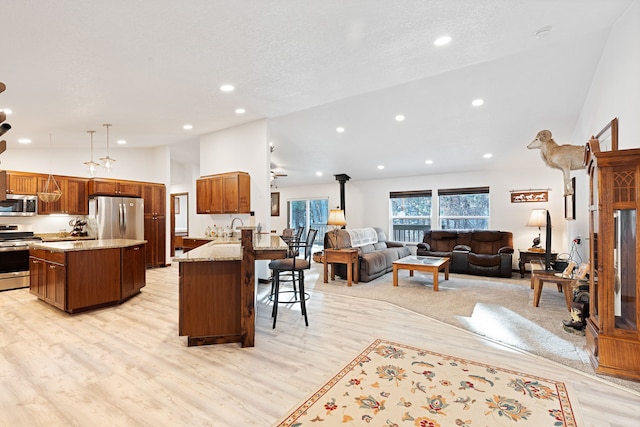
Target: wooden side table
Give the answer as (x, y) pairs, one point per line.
(527, 257)
(348, 256)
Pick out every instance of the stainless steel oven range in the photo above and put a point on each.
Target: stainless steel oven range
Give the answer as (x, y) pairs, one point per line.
(14, 256)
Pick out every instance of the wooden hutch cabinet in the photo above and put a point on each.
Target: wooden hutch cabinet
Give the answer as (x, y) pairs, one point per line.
(612, 336)
(223, 193)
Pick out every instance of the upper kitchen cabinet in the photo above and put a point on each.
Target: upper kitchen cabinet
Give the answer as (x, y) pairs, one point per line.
(113, 187)
(74, 199)
(22, 182)
(154, 196)
(208, 195)
(224, 193)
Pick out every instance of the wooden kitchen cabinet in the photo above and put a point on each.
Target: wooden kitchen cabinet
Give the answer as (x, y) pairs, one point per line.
(224, 193)
(114, 187)
(155, 233)
(155, 223)
(22, 182)
(48, 272)
(208, 195)
(74, 199)
(154, 196)
(133, 271)
(78, 280)
(189, 243)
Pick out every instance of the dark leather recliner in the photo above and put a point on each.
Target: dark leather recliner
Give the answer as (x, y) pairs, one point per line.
(479, 252)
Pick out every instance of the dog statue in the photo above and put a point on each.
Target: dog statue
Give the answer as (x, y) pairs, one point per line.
(564, 157)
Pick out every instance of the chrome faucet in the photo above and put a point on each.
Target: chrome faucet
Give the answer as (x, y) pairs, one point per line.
(233, 222)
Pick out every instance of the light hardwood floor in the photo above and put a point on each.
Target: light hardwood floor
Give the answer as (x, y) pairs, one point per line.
(127, 366)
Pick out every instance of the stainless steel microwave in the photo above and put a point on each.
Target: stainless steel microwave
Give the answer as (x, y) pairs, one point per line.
(19, 205)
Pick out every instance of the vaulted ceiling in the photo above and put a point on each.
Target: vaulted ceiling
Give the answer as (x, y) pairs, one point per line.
(149, 67)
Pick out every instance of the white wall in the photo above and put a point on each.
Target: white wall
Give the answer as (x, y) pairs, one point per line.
(367, 201)
(614, 92)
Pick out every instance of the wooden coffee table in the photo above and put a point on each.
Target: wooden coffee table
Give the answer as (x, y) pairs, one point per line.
(427, 264)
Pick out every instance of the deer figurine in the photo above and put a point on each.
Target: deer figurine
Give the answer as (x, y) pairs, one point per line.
(564, 157)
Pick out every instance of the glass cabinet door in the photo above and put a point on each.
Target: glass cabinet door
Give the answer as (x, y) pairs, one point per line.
(624, 256)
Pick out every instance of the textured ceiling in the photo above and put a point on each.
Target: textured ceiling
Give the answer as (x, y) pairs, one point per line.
(148, 67)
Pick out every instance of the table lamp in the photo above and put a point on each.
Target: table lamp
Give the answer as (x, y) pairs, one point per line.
(336, 218)
(538, 219)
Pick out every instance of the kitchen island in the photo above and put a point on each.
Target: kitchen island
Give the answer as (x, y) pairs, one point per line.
(217, 288)
(75, 276)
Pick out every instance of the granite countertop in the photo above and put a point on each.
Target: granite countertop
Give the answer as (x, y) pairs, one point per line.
(61, 237)
(226, 249)
(84, 245)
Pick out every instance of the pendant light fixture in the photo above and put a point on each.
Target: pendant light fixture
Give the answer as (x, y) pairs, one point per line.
(93, 166)
(107, 162)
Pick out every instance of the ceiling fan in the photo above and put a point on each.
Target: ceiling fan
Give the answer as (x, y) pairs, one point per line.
(275, 174)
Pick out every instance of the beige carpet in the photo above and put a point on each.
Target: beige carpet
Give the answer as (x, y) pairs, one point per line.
(392, 384)
(499, 309)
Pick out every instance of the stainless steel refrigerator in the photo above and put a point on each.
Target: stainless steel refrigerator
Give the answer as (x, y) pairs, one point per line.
(116, 217)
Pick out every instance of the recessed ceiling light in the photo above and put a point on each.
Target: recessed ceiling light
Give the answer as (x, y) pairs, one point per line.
(240, 111)
(340, 129)
(187, 127)
(122, 141)
(399, 117)
(477, 102)
(380, 167)
(429, 162)
(488, 156)
(24, 141)
(318, 173)
(227, 88)
(441, 41)
(7, 111)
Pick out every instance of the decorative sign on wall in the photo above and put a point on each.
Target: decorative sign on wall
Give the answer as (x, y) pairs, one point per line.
(526, 196)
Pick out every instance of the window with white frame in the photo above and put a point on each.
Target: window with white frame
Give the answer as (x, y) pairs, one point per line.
(410, 215)
(464, 208)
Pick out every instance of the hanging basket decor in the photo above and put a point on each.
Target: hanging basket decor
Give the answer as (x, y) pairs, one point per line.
(52, 196)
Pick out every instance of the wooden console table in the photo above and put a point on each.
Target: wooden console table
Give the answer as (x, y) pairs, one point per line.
(527, 257)
(348, 256)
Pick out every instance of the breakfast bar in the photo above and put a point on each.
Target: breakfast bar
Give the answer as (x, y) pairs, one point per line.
(217, 288)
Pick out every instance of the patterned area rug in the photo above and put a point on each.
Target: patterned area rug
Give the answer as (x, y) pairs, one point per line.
(391, 384)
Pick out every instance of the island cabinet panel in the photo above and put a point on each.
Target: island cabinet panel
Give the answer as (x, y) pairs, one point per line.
(133, 271)
(223, 193)
(79, 280)
(209, 301)
(48, 275)
(93, 279)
